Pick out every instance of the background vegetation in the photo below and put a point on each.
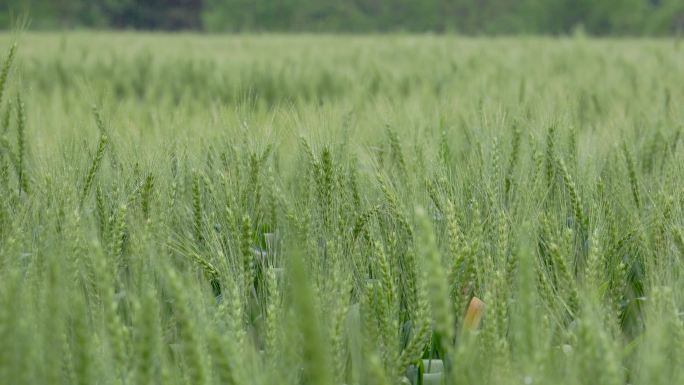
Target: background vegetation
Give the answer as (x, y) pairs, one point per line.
(320, 210)
(605, 17)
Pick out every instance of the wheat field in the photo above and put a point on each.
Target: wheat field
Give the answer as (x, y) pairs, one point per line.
(299, 209)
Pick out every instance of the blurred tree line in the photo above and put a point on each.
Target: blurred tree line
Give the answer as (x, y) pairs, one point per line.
(600, 17)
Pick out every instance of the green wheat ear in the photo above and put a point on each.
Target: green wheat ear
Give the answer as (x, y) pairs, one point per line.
(575, 199)
(631, 172)
(316, 358)
(514, 159)
(146, 195)
(189, 334)
(4, 73)
(94, 167)
(197, 207)
(21, 146)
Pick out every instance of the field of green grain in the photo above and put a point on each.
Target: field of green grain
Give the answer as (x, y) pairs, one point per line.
(321, 210)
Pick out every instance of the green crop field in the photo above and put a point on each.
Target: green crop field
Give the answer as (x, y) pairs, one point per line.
(299, 209)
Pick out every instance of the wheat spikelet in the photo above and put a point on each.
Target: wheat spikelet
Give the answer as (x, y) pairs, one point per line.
(631, 172)
(436, 281)
(94, 166)
(21, 146)
(4, 73)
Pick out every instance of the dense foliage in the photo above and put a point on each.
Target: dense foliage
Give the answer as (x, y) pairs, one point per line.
(602, 17)
(321, 210)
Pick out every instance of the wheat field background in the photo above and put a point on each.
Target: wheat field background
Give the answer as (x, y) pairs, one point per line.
(300, 209)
